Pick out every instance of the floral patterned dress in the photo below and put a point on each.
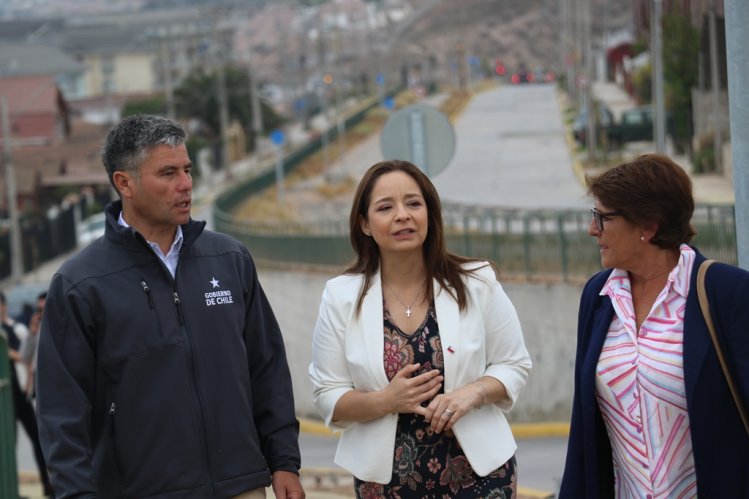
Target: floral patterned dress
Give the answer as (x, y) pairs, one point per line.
(429, 465)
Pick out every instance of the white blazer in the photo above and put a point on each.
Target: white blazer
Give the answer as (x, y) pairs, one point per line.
(347, 354)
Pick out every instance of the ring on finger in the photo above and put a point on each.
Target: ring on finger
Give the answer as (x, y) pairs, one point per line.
(448, 412)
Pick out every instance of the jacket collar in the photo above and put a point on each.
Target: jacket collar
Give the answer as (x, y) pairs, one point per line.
(127, 235)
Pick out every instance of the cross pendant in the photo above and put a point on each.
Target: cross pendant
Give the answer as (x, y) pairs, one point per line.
(408, 312)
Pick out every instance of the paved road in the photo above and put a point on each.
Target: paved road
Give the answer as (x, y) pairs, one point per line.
(511, 151)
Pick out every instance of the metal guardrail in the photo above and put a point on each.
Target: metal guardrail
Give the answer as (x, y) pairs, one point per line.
(533, 244)
(8, 471)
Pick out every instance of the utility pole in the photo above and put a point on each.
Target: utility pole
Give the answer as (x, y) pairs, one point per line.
(16, 254)
(341, 124)
(737, 39)
(166, 61)
(223, 105)
(223, 110)
(257, 115)
(715, 86)
(591, 137)
(564, 34)
(656, 51)
(579, 77)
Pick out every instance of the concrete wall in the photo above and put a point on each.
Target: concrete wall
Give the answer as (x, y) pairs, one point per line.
(548, 314)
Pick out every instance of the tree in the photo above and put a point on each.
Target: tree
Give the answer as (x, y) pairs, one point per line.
(150, 105)
(681, 45)
(197, 98)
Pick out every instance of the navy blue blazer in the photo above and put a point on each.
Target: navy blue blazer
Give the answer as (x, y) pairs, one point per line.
(719, 440)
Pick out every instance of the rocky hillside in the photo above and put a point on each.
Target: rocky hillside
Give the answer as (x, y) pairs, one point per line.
(517, 31)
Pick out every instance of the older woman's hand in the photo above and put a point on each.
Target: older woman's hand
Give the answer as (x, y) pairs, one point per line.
(445, 410)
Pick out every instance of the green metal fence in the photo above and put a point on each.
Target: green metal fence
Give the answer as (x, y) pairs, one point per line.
(8, 471)
(534, 244)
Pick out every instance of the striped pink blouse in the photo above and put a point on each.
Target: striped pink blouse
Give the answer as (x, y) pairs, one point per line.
(640, 386)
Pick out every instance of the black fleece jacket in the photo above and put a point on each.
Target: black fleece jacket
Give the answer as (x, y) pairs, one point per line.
(161, 387)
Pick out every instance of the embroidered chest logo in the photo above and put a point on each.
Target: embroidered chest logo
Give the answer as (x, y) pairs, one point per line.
(218, 296)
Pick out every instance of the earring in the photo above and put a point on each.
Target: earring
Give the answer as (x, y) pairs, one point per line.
(642, 238)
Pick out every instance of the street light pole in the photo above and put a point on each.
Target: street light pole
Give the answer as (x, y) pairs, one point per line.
(257, 115)
(166, 60)
(656, 51)
(16, 255)
(737, 38)
(592, 108)
(715, 86)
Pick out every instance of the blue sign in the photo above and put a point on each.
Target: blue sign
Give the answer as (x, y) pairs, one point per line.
(389, 103)
(380, 79)
(277, 137)
(473, 61)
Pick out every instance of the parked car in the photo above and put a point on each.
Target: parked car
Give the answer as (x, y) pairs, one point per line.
(91, 229)
(580, 124)
(522, 75)
(541, 75)
(634, 125)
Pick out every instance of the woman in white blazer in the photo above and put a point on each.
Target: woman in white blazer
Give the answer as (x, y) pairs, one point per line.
(417, 353)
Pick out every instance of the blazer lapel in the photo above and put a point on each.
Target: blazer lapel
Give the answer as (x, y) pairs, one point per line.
(372, 326)
(448, 318)
(697, 341)
(602, 316)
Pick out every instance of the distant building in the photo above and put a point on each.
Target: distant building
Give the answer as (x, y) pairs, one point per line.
(128, 55)
(42, 138)
(37, 112)
(19, 58)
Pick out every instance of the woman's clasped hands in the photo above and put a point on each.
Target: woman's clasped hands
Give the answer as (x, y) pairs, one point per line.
(446, 409)
(408, 391)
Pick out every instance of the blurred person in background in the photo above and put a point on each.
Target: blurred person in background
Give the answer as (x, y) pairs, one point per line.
(30, 347)
(417, 353)
(652, 414)
(162, 370)
(25, 414)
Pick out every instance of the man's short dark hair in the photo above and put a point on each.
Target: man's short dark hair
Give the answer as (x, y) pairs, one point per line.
(127, 144)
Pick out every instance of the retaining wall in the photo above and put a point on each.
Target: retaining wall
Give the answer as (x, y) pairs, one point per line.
(548, 314)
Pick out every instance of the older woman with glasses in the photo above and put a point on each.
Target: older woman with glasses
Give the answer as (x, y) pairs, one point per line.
(653, 415)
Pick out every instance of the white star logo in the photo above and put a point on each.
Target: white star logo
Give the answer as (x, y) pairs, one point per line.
(214, 282)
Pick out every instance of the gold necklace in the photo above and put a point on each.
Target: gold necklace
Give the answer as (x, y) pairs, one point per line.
(408, 312)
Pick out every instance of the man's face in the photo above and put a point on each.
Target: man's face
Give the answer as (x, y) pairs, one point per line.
(158, 196)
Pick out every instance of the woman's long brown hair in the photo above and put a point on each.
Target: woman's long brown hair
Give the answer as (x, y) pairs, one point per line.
(447, 268)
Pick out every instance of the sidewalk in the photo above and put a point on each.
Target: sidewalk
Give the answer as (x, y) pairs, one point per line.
(708, 188)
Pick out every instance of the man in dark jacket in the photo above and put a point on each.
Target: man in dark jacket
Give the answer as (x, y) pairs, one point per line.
(162, 371)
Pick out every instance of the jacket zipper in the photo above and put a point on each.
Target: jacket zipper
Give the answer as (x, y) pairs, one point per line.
(189, 354)
(147, 290)
(117, 463)
(178, 304)
(111, 418)
(191, 360)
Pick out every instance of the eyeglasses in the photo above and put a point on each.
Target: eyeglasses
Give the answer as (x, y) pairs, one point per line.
(601, 216)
